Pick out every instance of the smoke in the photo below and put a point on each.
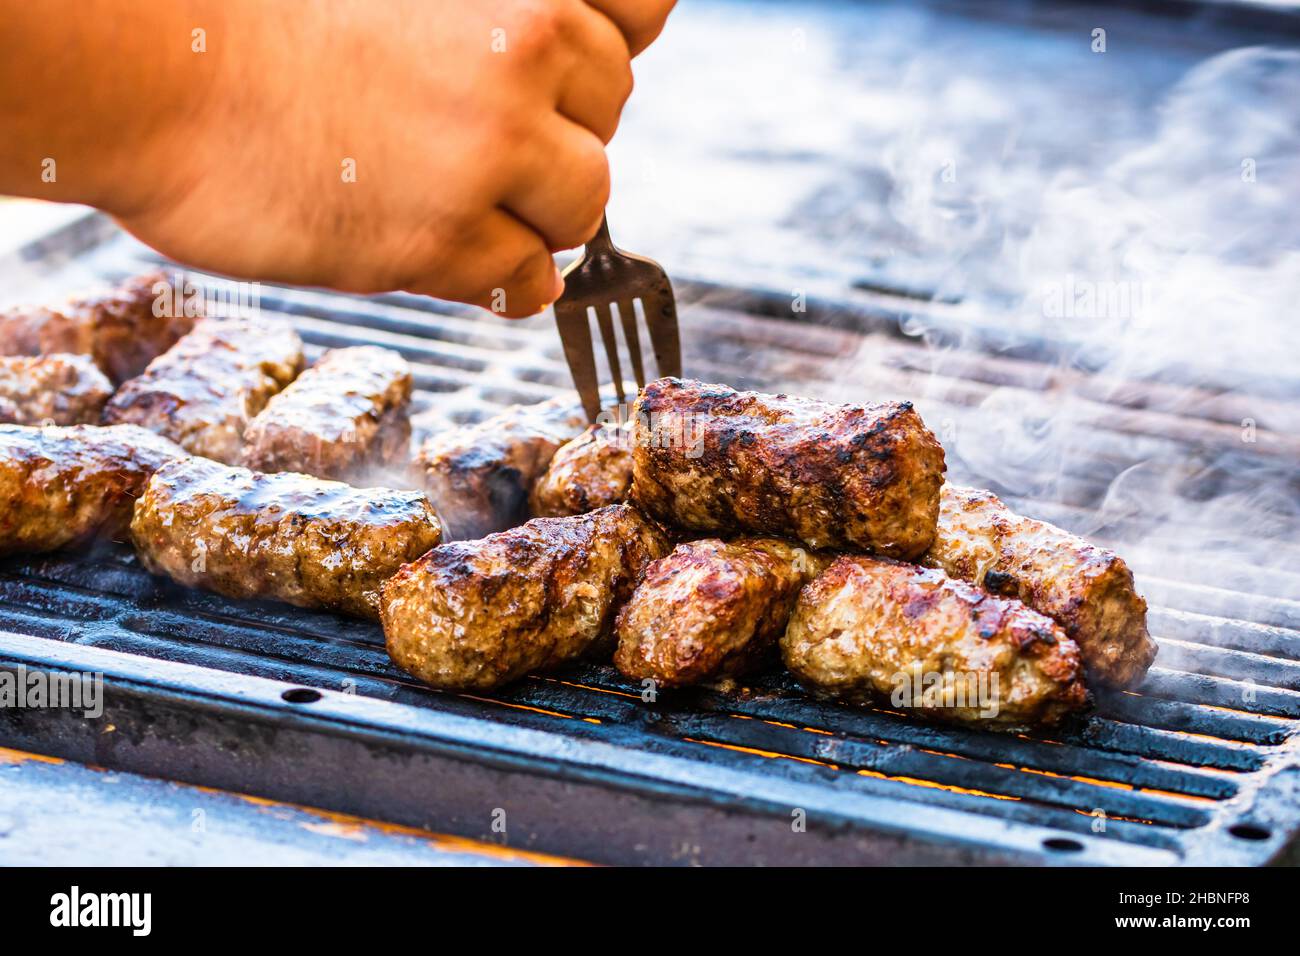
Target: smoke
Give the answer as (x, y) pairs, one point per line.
(1109, 243)
(1165, 284)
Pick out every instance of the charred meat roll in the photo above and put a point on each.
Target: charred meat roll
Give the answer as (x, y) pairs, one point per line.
(123, 330)
(712, 609)
(479, 476)
(908, 638)
(68, 486)
(473, 615)
(342, 418)
(1087, 590)
(283, 537)
(708, 458)
(202, 392)
(592, 471)
(61, 389)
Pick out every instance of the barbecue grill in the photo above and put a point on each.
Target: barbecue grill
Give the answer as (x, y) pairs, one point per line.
(1199, 765)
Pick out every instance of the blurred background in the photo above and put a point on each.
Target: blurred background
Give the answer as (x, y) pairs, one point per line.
(982, 154)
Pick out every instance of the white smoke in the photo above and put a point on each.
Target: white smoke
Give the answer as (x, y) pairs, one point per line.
(1168, 280)
(1114, 234)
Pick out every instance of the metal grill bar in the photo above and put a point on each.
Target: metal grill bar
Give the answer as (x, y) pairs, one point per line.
(1174, 767)
(265, 640)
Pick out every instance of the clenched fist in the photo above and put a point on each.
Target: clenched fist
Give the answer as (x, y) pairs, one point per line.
(439, 146)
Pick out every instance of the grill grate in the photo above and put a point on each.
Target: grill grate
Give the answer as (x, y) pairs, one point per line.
(1198, 765)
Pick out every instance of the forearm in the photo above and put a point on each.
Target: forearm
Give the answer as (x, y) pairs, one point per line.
(442, 147)
(91, 92)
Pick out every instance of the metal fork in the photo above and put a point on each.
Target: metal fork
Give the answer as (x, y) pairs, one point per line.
(604, 279)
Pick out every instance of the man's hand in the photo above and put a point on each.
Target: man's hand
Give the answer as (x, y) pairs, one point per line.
(437, 146)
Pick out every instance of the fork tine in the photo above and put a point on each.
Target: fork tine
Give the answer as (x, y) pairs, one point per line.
(632, 335)
(575, 334)
(661, 318)
(605, 278)
(606, 322)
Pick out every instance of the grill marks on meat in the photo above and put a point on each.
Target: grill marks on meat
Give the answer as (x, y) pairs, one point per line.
(120, 330)
(1088, 590)
(286, 537)
(202, 392)
(592, 471)
(342, 417)
(712, 609)
(710, 459)
(866, 627)
(63, 389)
(69, 486)
(474, 615)
(479, 476)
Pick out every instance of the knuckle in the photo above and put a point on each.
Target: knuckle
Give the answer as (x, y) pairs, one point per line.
(537, 29)
(624, 83)
(599, 176)
(656, 13)
(646, 20)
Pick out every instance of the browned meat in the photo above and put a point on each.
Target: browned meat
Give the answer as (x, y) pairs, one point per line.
(35, 330)
(473, 615)
(60, 389)
(68, 486)
(123, 330)
(711, 459)
(1087, 590)
(590, 472)
(343, 418)
(479, 476)
(285, 537)
(912, 638)
(202, 392)
(712, 610)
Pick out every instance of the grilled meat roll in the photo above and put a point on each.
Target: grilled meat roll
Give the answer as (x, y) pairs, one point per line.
(473, 615)
(712, 609)
(590, 472)
(202, 391)
(711, 459)
(68, 486)
(340, 419)
(912, 638)
(121, 329)
(285, 537)
(1088, 590)
(479, 476)
(60, 389)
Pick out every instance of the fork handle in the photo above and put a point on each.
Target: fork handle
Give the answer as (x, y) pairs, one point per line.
(601, 242)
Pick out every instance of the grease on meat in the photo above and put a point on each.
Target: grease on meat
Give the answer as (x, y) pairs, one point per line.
(712, 609)
(285, 537)
(342, 418)
(873, 631)
(68, 486)
(202, 392)
(60, 389)
(710, 459)
(1088, 590)
(122, 329)
(473, 615)
(479, 476)
(592, 471)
